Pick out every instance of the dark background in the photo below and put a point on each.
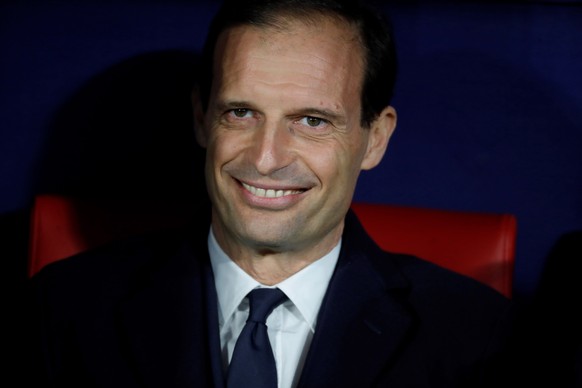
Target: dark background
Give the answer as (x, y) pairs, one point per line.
(94, 99)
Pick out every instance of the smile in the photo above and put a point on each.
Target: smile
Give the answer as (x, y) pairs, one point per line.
(269, 193)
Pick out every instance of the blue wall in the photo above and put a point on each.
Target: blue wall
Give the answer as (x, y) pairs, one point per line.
(489, 101)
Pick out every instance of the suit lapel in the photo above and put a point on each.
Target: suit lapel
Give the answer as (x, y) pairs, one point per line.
(166, 324)
(362, 321)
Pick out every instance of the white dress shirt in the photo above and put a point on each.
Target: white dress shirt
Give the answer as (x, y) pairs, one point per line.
(290, 326)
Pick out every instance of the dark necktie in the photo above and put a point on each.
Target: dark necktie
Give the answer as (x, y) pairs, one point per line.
(253, 363)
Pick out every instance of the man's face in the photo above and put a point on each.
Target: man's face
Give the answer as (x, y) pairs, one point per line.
(283, 136)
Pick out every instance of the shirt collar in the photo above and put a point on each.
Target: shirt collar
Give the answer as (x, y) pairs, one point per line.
(305, 289)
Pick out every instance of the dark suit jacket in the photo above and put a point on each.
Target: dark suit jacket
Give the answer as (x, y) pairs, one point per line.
(143, 313)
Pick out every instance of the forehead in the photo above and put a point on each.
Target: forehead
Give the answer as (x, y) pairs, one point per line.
(318, 49)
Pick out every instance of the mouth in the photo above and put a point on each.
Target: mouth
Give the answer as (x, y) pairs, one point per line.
(269, 193)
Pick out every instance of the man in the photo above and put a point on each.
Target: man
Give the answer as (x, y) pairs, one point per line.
(294, 101)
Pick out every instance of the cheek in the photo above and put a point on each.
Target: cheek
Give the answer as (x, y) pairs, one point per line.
(216, 156)
(224, 145)
(338, 164)
(353, 149)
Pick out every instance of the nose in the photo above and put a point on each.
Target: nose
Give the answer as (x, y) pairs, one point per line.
(272, 147)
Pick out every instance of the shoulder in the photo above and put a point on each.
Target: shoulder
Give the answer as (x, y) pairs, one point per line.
(451, 302)
(422, 279)
(433, 287)
(115, 268)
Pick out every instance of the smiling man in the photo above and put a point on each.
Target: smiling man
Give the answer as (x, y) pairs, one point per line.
(293, 103)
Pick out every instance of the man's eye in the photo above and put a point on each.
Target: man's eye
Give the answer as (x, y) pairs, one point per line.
(240, 112)
(313, 121)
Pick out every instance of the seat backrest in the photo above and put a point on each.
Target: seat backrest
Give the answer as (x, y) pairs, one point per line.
(480, 245)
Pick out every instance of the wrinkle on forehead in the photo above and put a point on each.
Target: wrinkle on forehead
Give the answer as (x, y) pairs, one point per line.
(346, 38)
(338, 52)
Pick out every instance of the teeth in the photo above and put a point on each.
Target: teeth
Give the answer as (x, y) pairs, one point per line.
(270, 193)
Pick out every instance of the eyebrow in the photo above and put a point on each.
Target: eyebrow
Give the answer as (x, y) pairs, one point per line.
(224, 105)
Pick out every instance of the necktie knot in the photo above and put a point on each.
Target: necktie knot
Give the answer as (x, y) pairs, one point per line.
(262, 302)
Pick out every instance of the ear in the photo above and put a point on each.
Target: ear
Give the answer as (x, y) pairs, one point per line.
(380, 132)
(198, 111)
